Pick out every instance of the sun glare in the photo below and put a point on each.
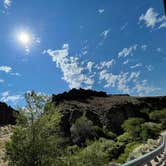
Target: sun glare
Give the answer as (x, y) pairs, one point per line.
(24, 38)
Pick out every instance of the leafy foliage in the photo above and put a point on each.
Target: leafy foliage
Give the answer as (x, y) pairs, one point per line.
(159, 116)
(38, 141)
(133, 127)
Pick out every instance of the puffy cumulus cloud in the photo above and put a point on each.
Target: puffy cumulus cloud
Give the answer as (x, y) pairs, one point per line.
(84, 74)
(127, 82)
(6, 69)
(142, 88)
(6, 97)
(120, 81)
(90, 66)
(152, 19)
(73, 71)
(7, 3)
(127, 51)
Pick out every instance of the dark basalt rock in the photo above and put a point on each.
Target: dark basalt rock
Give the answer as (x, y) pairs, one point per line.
(7, 114)
(108, 111)
(75, 94)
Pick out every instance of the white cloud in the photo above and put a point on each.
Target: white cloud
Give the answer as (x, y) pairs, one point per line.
(105, 64)
(110, 78)
(127, 82)
(126, 62)
(152, 19)
(163, 25)
(6, 97)
(119, 81)
(105, 33)
(73, 72)
(90, 66)
(6, 69)
(101, 11)
(142, 88)
(7, 3)
(127, 51)
(85, 74)
(136, 65)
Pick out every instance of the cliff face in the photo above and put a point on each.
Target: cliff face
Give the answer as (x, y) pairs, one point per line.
(103, 110)
(7, 114)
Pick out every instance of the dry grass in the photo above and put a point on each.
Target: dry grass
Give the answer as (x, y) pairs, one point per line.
(5, 133)
(144, 148)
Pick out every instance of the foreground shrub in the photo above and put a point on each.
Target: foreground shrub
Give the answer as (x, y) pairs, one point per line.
(99, 153)
(36, 141)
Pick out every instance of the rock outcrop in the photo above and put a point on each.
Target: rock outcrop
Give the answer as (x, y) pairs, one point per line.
(7, 114)
(108, 111)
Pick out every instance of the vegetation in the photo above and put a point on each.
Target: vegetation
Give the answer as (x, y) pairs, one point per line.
(38, 137)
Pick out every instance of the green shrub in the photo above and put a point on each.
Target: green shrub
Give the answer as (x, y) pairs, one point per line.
(37, 143)
(96, 154)
(82, 130)
(159, 116)
(128, 149)
(125, 138)
(133, 127)
(150, 130)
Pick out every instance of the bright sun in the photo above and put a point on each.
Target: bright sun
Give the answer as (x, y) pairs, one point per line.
(24, 38)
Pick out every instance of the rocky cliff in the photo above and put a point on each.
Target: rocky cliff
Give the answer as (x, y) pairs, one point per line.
(108, 111)
(7, 114)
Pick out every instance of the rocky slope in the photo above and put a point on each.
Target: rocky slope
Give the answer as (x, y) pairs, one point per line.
(108, 111)
(7, 114)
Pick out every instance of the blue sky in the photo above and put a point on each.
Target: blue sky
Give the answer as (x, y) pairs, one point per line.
(51, 46)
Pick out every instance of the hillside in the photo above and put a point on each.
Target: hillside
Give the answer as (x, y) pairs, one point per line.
(104, 110)
(85, 127)
(7, 114)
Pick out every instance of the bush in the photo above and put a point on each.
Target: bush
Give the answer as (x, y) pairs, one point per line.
(150, 130)
(125, 138)
(159, 116)
(133, 127)
(96, 154)
(128, 149)
(38, 142)
(82, 130)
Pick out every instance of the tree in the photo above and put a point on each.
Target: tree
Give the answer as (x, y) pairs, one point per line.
(36, 139)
